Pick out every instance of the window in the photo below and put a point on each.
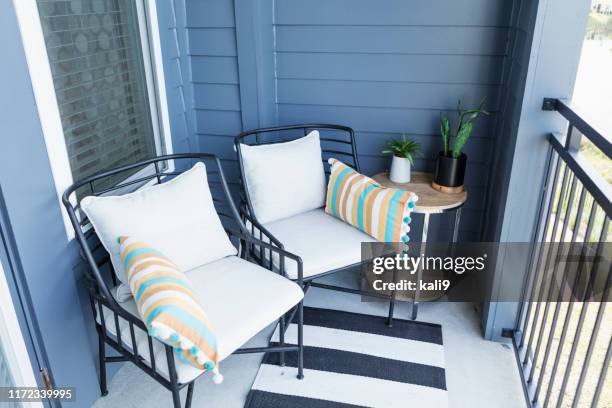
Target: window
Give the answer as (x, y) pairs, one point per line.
(102, 73)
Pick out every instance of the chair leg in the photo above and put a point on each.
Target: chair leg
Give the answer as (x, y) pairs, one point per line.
(189, 394)
(102, 357)
(301, 340)
(415, 310)
(174, 388)
(176, 396)
(281, 339)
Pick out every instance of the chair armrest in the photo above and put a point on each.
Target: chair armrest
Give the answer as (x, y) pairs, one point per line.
(116, 309)
(249, 242)
(256, 225)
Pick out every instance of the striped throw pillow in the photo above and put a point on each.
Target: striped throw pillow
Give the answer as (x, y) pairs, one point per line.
(383, 213)
(167, 305)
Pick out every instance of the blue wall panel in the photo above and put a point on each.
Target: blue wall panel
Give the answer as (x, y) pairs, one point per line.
(383, 39)
(214, 79)
(391, 69)
(177, 70)
(394, 12)
(384, 70)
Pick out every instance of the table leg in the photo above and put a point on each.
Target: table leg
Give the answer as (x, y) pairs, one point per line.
(417, 292)
(456, 227)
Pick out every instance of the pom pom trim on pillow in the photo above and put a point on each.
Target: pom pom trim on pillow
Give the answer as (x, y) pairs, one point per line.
(381, 212)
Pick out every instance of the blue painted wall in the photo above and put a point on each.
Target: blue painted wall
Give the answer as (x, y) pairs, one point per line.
(390, 70)
(174, 43)
(382, 70)
(213, 60)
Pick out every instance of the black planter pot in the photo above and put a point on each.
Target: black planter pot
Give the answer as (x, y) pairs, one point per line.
(449, 172)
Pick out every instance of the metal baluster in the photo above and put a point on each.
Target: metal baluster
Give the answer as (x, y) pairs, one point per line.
(547, 299)
(570, 307)
(544, 275)
(535, 276)
(553, 325)
(530, 278)
(600, 313)
(602, 376)
(583, 311)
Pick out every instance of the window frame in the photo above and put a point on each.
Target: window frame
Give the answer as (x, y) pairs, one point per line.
(43, 88)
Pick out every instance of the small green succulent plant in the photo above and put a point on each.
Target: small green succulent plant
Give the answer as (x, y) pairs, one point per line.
(466, 119)
(403, 147)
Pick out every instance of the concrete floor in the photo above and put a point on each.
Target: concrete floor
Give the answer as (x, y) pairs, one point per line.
(479, 373)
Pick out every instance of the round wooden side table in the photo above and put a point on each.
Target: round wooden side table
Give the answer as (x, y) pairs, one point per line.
(430, 202)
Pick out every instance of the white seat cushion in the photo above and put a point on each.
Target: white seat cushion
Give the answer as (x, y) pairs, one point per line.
(240, 299)
(323, 242)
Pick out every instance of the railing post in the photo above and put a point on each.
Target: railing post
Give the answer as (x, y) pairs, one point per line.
(549, 104)
(573, 139)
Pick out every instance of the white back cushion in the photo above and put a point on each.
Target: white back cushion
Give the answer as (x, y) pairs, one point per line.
(284, 179)
(177, 217)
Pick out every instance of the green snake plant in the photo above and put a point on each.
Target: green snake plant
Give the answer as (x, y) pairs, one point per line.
(465, 126)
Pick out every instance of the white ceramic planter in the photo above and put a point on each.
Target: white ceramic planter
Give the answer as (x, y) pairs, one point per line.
(400, 170)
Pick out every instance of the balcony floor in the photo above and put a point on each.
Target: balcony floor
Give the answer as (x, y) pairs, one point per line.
(479, 373)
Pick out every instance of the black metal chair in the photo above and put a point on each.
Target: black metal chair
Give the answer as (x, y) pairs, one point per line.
(104, 304)
(342, 147)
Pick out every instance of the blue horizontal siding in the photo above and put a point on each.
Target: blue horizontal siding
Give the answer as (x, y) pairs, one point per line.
(409, 121)
(210, 13)
(214, 69)
(465, 69)
(384, 71)
(387, 71)
(212, 41)
(393, 39)
(383, 94)
(394, 12)
(218, 122)
(217, 97)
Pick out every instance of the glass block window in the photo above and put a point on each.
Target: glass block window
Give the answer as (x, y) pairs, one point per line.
(95, 51)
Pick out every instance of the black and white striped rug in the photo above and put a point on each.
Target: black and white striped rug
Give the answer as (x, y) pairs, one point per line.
(355, 360)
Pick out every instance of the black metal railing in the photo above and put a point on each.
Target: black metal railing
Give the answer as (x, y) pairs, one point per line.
(563, 342)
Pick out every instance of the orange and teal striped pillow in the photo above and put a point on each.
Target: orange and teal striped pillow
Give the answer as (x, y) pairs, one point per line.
(167, 305)
(381, 212)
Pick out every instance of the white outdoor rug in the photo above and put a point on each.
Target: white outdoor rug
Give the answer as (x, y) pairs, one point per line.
(355, 360)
